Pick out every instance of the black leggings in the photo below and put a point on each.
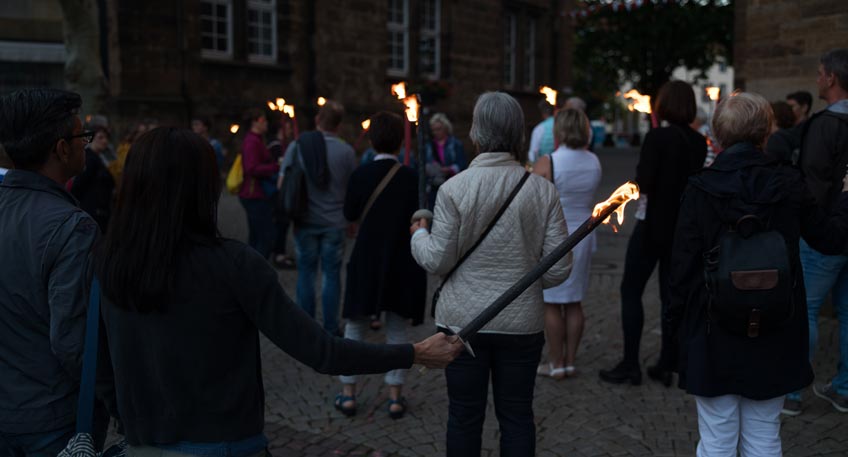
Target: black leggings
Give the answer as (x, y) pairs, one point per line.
(639, 264)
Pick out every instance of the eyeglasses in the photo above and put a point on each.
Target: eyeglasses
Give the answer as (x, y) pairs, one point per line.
(87, 136)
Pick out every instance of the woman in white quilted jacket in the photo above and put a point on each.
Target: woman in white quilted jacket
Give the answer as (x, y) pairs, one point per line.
(531, 225)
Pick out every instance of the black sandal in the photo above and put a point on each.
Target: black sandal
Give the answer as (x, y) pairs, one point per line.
(341, 399)
(397, 414)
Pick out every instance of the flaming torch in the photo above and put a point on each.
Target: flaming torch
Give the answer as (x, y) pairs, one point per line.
(550, 95)
(365, 125)
(713, 92)
(234, 129)
(289, 110)
(600, 215)
(399, 91)
(321, 101)
(642, 104)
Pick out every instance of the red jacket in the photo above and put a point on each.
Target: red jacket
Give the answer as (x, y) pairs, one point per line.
(257, 164)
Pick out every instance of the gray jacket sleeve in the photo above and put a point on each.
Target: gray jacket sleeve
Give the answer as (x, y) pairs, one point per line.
(438, 251)
(68, 282)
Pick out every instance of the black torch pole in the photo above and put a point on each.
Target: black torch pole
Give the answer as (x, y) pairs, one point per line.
(533, 275)
(423, 139)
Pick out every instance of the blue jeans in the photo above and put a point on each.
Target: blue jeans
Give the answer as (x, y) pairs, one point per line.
(45, 444)
(327, 243)
(512, 362)
(823, 273)
(260, 224)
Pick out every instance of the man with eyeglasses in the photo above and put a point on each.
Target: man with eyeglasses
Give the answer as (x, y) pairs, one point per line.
(46, 240)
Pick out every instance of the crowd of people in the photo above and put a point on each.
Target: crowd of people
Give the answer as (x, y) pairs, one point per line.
(748, 225)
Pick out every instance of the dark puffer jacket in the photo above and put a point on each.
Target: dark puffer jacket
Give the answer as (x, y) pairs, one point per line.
(743, 180)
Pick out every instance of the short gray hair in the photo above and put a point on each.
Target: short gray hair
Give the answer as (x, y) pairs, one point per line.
(576, 103)
(498, 125)
(743, 117)
(442, 119)
(835, 62)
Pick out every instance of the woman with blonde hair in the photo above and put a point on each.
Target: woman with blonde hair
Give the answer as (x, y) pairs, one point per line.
(576, 173)
(740, 361)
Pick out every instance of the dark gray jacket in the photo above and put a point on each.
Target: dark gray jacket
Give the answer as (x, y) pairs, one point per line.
(824, 153)
(45, 244)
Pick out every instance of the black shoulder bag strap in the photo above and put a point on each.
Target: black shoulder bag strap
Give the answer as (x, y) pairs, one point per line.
(479, 240)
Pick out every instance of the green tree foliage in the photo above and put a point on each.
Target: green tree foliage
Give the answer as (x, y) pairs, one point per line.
(643, 43)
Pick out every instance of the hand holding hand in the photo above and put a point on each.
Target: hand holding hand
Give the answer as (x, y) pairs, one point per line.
(438, 350)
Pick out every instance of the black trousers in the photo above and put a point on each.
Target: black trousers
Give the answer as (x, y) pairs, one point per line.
(639, 263)
(511, 360)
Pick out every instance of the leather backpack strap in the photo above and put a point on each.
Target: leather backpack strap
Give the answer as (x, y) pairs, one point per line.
(379, 190)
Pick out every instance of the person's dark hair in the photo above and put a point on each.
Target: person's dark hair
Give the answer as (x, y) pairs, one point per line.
(802, 97)
(545, 108)
(330, 115)
(676, 103)
(33, 120)
(168, 201)
(835, 62)
(252, 115)
(5, 161)
(386, 132)
(783, 115)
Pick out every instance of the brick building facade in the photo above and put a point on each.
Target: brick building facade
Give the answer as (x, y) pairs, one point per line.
(779, 43)
(169, 60)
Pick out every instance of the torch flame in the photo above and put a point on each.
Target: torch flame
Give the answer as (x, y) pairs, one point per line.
(366, 124)
(411, 103)
(399, 90)
(281, 102)
(272, 106)
(625, 193)
(640, 103)
(713, 92)
(234, 128)
(322, 101)
(289, 109)
(550, 94)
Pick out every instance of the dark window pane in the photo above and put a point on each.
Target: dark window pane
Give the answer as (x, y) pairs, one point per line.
(266, 34)
(206, 8)
(206, 26)
(221, 11)
(222, 44)
(252, 15)
(266, 18)
(266, 50)
(207, 43)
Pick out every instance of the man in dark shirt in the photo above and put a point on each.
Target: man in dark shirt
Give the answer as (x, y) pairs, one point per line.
(44, 288)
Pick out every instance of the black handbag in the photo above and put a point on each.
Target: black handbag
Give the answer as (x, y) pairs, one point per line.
(294, 195)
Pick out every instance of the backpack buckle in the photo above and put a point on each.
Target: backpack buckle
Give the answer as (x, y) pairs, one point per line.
(754, 323)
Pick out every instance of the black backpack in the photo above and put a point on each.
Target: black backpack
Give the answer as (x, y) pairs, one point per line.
(293, 196)
(749, 279)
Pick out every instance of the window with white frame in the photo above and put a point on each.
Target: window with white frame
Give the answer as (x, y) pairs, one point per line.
(398, 28)
(429, 52)
(216, 28)
(529, 70)
(262, 30)
(510, 25)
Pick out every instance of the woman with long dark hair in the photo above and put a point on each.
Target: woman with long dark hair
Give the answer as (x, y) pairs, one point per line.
(183, 308)
(670, 154)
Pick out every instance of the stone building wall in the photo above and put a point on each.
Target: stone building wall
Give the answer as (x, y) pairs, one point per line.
(779, 43)
(160, 72)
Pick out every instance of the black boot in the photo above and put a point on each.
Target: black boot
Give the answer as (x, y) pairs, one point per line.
(622, 373)
(660, 374)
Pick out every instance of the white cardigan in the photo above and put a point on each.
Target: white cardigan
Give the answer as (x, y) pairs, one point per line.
(531, 227)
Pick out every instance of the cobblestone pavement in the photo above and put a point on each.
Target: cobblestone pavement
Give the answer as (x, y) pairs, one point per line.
(580, 416)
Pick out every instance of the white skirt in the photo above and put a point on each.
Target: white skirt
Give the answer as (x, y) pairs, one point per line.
(574, 288)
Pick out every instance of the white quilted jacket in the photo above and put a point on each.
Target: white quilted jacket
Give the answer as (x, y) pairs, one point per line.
(531, 227)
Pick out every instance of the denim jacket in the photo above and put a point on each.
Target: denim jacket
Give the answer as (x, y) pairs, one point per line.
(45, 241)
